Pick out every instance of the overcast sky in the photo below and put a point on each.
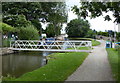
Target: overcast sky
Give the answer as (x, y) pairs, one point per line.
(98, 23)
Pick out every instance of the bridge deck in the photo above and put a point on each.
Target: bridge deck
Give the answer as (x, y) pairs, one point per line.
(51, 50)
(54, 46)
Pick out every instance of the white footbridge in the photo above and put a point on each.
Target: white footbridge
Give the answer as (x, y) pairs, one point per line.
(54, 46)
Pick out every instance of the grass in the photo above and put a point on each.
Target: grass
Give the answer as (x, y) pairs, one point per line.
(84, 48)
(113, 59)
(81, 48)
(94, 42)
(59, 67)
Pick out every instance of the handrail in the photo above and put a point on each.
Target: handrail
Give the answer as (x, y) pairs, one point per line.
(56, 45)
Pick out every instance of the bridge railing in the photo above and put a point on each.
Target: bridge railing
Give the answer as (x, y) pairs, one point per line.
(59, 45)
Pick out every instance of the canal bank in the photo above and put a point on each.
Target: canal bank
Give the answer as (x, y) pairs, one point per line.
(6, 50)
(58, 68)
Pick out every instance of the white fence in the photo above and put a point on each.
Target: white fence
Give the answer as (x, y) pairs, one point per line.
(37, 45)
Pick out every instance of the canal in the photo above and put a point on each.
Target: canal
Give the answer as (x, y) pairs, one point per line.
(19, 63)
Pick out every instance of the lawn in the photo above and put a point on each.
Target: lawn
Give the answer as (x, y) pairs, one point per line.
(59, 67)
(114, 59)
(94, 42)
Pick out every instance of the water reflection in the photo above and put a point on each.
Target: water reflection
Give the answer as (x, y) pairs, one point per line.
(20, 63)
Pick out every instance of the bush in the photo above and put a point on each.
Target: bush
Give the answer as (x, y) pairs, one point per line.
(5, 42)
(28, 33)
(5, 28)
(117, 47)
(50, 30)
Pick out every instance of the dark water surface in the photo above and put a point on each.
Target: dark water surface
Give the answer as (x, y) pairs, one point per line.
(20, 63)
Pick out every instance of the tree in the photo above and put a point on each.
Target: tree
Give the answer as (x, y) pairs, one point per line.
(16, 20)
(96, 9)
(103, 33)
(118, 36)
(77, 28)
(5, 28)
(28, 33)
(33, 11)
(38, 25)
(90, 34)
(50, 30)
(58, 17)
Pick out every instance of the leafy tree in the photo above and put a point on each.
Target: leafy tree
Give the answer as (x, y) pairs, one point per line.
(34, 11)
(28, 33)
(50, 30)
(90, 34)
(96, 9)
(118, 36)
(16, 20)
(58, 17)
(5, 28)
(77, 28)
(38, 25)
(103, 33)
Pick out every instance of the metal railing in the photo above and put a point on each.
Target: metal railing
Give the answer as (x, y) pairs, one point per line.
(39, 45)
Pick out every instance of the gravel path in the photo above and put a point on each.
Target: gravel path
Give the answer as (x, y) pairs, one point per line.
(95, 67)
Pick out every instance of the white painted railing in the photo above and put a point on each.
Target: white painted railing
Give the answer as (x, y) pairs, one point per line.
(38, 45)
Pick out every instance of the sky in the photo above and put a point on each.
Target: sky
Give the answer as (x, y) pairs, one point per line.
(98, 23)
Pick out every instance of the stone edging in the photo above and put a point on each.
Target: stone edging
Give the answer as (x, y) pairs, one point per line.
(6, 50)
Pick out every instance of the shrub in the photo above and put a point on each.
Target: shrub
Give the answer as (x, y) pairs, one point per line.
(5, 28)
(117, 47)
(5, 42)
(28, 33)
(50, 30)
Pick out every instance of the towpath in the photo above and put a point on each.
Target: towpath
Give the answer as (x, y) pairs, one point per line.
(95, 67)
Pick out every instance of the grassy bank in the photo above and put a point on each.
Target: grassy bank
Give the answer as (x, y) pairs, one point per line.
(94, 42)
(59, 67)
(113, 59)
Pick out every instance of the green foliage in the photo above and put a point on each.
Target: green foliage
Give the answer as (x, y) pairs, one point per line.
(50, 30)
(58, 17)
(0, 27)
(114, 62)
(28, 33)
(96, 9)
(103, 33)
(5, 42)
(118, 36)
(77, 28)
(54, 12)
(90, 34)
(59, 67)
(16, 20)
(5, 28)
(37, 24)
(84, 39)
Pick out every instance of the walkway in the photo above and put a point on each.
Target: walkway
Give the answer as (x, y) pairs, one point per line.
(54, 46)
(95, 67)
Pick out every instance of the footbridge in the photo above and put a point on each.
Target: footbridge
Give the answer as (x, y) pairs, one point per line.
(55, 46)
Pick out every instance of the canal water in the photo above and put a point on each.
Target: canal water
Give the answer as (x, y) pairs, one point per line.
(19, 63)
